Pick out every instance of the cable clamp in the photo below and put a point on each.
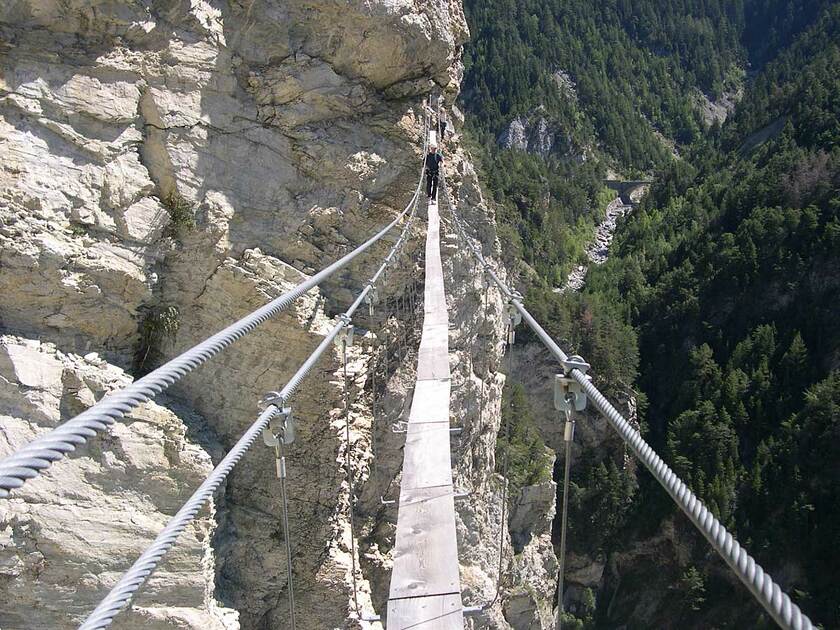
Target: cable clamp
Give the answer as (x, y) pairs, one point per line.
(568, 394)
(575, 362)
(372, 298)
(515, 318)
(345, 335)
(281, 428)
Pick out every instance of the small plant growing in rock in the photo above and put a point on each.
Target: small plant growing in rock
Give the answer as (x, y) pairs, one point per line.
(181, 215)
(77, 229)
(158, 325)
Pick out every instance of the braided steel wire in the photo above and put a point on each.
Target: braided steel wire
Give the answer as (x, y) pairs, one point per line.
(762, 586)
(35, 457)
(133, 579)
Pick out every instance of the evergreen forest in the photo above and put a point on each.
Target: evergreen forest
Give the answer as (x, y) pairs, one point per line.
(718, 306)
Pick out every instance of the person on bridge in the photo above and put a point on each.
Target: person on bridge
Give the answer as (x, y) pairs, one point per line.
(433, 162)
(442, 120)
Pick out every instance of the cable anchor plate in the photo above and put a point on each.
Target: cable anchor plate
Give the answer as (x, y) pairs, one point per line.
(372, 298)
(345, 335)
(568, 394)
(514, 319)
(282, 426)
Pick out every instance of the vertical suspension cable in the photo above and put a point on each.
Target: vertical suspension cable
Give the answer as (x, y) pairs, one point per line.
(568, 438)
(281, 473)
(437, 104)
(486, 353)
(349, 468)
(503, 523)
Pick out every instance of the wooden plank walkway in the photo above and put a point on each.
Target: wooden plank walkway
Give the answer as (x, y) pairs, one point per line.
(425, 584)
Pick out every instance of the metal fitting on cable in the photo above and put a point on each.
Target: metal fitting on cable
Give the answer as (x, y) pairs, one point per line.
(575, 362)
(345, 335)
(568, 394)
(569, 429)
(372, 298)
(281, 428)
(514, 319)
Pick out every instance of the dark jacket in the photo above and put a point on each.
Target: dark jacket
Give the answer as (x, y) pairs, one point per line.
(433, 161)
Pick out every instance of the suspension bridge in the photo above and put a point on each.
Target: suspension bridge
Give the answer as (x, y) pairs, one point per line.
(425, 589)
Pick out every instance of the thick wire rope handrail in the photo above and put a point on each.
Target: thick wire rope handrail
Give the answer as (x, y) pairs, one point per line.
(762, 586)
(122, 593)
(38, 455)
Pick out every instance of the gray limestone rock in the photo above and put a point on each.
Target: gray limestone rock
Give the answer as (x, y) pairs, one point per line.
(198, 159)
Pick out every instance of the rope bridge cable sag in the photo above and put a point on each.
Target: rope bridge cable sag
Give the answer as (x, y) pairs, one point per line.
(29, 461)
(761, 585)
(122, 593)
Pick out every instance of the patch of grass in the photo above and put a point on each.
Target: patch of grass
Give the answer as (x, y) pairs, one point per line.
(159, 324)
(78, 229)
(181, 215)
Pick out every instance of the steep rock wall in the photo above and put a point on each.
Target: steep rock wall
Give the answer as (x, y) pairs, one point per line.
(168, 167)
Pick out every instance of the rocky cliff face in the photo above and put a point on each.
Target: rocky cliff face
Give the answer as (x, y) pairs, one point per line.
(64, 537)
(535, 133)
(168, 166)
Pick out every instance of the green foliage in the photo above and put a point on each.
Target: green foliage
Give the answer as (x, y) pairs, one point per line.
(159, 324)
(181, 215)
(546, 210)
(692, 589)
(719, 300)
(591, 325)
(600, 499)
(78, 229)
(635, 66)
(728, 274)
(529, 461)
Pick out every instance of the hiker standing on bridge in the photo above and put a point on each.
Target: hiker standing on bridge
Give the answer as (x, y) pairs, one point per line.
(433, 162)
(442, 120)
(441, 112)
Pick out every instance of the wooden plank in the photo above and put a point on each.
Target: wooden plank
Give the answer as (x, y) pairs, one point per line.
(432, 364)
(426, 551)
(435, 336)
(426, 461)
(425, 589)
(442, 612)
(430, 401)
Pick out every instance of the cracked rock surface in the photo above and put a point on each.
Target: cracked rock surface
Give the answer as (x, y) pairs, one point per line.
(68, 534)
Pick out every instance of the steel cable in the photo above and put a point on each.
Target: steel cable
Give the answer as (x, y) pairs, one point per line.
(568, 437)
(35, 457)
(771, 597)
(122, 593)
(284, 502)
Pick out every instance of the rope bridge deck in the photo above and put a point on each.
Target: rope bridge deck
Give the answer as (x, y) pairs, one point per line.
(425, 584)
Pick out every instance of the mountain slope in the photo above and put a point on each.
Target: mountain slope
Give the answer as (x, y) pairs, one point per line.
(730, 274)
(723, 285)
